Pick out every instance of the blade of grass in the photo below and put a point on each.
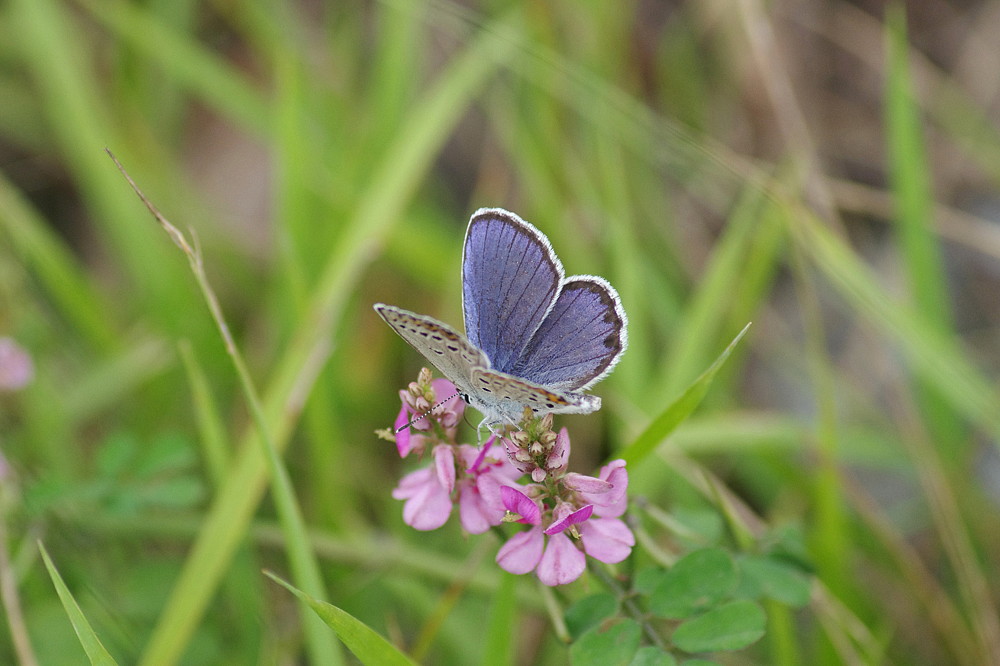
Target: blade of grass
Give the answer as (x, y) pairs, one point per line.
(220, 85)
(828, 535)
(936, 358)
(446, 603)
(210, 427)
(678, 410)
(366, 644)
(502, 628)
(296, 208)
(910, 179)
(78, 120)
(738, 432)
(973, 584)
(706, 311)
(322, 650)
(912, 194)
(399, 171)
(96, 652)
(111, 379)
(782, 635)
(9, 594)
(624, 247)
(56, 268)
(943, 614)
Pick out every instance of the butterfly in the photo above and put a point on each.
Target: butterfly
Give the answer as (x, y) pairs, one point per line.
(533, 337)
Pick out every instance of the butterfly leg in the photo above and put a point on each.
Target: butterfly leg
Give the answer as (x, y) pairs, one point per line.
(490, 425)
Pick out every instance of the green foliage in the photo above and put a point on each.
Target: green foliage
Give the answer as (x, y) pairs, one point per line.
(813, 489)
(589, 612)
(697, 581)
(96, 652)
(361, 640)
(731, 626)
(710, 596)
(616, 643)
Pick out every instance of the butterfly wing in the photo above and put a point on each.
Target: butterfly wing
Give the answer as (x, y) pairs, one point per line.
(446, 348)
(580, 340)
(502, 397)
(510, 281)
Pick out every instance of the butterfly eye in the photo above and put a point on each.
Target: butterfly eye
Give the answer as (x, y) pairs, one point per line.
(465, 397)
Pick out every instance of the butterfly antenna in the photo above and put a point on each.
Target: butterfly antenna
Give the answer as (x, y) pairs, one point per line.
(423, 415)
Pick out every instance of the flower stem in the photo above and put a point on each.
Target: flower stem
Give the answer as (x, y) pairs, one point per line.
(628, 603)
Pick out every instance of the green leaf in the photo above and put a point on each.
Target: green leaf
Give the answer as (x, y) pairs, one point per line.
(773, 578)
(647, 579)
(697, 581)
(680, 409)
(589, 611)
(704, 526)
(607, 646)
(732, 626)
(652, 656)
(96, 652)
(366, 644)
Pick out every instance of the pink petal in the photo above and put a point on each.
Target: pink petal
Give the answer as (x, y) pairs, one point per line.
(444, 464)
(611, 504)
(521, 552)
(607, 539)
(614, 469)
(480, 455)
(489, 486)
(517, 502)
(476, 515)
(402, 436)
(444, 390)
(411, 484)
(586, 484)
(561, 562)
(450, 413)
(560, 452)
(500, 464)
(428, 505)
(578, 516)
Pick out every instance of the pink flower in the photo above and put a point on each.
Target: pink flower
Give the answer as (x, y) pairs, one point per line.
(16, 368)
(461, 474)
(605, 537)
(428, 492)
(487, 471)
(610, 502)
(586, 508)
(556, 562)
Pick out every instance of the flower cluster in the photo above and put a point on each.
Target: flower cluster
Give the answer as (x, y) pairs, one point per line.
(571, 515)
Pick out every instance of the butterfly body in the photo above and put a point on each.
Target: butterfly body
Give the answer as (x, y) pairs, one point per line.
(534, 338)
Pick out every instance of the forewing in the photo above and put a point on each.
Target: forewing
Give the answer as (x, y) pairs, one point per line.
(580, 340)
(442, 345)
(510, 280)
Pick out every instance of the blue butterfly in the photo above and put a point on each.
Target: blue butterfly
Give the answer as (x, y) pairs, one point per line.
(534, 338)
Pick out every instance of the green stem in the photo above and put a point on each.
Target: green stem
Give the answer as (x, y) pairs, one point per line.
(628, 602)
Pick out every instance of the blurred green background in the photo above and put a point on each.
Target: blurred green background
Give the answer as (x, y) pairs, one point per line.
(827, 170)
